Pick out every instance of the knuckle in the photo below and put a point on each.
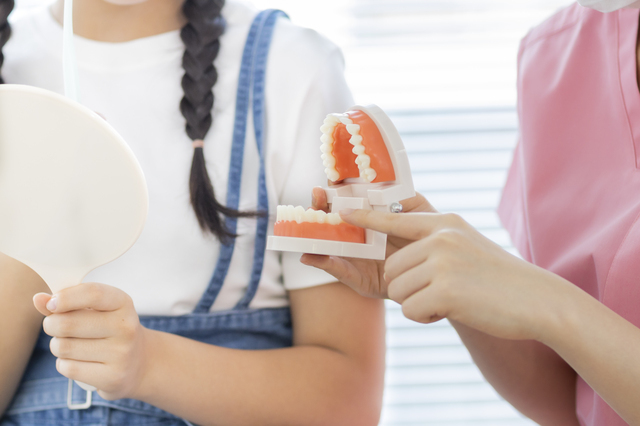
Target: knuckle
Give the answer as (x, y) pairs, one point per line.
(447, 238)
(47, 326)
(409, 311)
(60, 348)
(54, 347)
(66, 368)
(393, 291)
(58, 325)
(454, 220)
(438, 265)
(96, 292)
(65, 327)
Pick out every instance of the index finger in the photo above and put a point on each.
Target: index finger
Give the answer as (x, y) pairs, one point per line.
(411, 226)
(99, 297)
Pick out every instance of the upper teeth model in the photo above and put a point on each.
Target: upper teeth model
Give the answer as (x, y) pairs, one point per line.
(365, 149)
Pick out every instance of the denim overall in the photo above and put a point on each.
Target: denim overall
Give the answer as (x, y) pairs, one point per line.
(41, 399)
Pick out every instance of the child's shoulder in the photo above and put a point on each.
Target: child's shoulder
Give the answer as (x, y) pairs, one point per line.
(290, 41)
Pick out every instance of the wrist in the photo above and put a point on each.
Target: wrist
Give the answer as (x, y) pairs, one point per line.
(150, 351)
(561, 319)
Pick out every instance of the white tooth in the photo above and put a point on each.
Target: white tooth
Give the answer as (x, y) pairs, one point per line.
(334, 219)
(310, 215)
(358, 149)
(326, 138)
(298, 214)
(325, 148)
(321, 216)
(289, 215)
(279, 213)
(332, 174)
(363, 160)
(355, 140)
(353, 129)
(327, 128)
(346, 120)
(370, 174)
(330, 162)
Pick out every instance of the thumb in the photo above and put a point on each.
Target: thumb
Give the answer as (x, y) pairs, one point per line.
(40, 301)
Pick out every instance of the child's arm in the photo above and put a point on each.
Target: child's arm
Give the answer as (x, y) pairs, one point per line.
(20, 323)
(332, 376)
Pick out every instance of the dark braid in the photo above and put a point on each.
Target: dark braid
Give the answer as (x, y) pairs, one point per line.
(6, 6)
(201, 37)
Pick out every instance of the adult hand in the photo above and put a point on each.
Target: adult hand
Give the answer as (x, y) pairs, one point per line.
(451, 270)
(363, 275)
(97, 337)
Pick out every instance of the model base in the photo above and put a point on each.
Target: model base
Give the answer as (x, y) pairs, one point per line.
(326, 247)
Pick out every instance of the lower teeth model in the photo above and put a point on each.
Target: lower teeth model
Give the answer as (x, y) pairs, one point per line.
(315, 224)
(352, 147)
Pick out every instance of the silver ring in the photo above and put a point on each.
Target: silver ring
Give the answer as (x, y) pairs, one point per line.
(396, 208)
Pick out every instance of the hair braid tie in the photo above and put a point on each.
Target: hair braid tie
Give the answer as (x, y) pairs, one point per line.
(6, 6)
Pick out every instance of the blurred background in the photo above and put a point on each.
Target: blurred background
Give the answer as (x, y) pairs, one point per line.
(445, 71)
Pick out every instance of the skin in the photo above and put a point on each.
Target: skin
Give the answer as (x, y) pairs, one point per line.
(527, 328)
(18, 340)
(326, 378)
(122, 20)
(333, 378)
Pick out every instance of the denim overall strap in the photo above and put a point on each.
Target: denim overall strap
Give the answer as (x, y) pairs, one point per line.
(255, 52)
(261, 53)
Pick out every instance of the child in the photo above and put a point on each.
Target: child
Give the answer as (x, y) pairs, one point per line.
(162, 332)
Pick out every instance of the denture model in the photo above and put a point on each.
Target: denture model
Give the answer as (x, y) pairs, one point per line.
(367, 163)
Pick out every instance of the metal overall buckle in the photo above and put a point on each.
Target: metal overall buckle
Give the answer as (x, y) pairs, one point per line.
(78, 406)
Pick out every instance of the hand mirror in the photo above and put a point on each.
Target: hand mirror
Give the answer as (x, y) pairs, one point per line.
(72, 194)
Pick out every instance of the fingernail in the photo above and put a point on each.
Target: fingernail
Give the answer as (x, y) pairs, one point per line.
(346, 212)
(52, 304)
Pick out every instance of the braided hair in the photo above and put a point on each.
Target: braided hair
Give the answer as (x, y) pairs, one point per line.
(6, 6)
(201, 38)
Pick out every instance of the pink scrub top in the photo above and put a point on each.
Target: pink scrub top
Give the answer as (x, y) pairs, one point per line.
(572, 198)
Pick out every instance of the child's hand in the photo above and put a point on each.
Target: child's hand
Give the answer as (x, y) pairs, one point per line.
(97, 337)
(364, 276)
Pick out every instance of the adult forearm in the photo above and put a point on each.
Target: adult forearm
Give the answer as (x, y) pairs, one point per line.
(210, 385)
(528, 374)
(602, 347)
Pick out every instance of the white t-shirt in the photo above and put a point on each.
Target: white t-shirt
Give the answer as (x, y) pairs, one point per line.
(136, 87)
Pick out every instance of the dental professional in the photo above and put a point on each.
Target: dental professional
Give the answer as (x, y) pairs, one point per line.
(556, 333)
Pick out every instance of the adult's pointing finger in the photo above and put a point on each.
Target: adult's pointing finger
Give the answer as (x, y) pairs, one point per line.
(411, 226)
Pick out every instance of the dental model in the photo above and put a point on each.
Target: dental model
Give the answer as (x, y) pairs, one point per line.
(365, 158)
